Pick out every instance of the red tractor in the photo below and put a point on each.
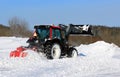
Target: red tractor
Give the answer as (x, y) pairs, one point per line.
(52, 41)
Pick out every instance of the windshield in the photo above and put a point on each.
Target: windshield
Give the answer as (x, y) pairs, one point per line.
(56, 33)
(43, 33)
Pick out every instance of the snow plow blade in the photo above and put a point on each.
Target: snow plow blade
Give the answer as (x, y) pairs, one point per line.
(19, 52)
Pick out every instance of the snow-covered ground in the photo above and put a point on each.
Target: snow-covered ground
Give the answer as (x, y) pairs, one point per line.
(99, 59)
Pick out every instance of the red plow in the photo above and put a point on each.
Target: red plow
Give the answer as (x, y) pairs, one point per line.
(19, 52)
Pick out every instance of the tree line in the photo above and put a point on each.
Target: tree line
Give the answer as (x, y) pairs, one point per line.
(17, 27)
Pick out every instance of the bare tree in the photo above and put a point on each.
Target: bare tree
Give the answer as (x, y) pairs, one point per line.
(18, 27)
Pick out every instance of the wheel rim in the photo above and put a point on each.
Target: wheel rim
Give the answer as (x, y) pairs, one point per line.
(56, 51)
(74, 53)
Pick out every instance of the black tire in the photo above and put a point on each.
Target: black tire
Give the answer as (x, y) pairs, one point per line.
(47, 51)
(53, 51)
(72, 52)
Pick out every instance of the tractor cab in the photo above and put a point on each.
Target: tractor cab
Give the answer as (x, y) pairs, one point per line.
(48, 32)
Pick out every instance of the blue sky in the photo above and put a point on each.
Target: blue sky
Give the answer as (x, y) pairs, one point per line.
(101, 12)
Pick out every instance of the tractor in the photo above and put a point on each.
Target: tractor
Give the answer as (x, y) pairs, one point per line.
(52, 41)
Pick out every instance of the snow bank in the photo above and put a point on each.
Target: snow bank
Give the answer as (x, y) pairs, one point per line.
(98, 49)
(99, 59)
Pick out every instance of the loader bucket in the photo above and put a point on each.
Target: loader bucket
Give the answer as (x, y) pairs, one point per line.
(19, 52)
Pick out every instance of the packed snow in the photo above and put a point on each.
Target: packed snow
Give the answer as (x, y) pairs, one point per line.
(99, 59)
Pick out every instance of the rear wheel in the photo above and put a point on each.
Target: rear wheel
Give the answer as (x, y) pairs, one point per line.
(53, 51)
(72, 53)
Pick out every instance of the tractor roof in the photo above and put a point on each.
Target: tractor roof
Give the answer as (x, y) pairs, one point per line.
(47, 26)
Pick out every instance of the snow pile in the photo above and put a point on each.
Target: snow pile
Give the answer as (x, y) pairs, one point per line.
(99, 59)
(98, 49)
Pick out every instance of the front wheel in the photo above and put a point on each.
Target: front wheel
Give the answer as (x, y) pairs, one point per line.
(72, 52)
(53, 51)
